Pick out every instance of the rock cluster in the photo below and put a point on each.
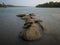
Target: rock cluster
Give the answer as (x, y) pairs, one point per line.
(31, 30)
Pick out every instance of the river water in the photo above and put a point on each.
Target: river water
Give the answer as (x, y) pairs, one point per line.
(11, 25)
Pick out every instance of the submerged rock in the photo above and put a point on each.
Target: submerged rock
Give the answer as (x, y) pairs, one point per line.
(21, 15)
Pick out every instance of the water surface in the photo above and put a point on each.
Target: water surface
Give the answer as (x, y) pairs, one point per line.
(11, 25)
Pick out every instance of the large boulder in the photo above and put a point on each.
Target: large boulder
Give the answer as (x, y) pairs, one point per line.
(32, 33)
(31, 29)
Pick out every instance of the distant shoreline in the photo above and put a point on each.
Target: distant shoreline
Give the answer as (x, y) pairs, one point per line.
(29, 6)
(49, 5)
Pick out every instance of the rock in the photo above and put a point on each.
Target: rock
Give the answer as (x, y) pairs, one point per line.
(44, 26)
(25, 16)
(32, 14)
(31, 29)
(32, 33)
(38, 20)
(27, 25)
(31, 20)
(21, 15)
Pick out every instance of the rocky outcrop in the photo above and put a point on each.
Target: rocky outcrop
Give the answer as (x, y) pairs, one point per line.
(31, 29)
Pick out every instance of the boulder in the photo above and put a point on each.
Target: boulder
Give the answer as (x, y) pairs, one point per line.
(31, 29)
(32, 33)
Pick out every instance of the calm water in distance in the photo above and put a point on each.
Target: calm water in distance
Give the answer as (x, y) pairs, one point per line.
(11, 25)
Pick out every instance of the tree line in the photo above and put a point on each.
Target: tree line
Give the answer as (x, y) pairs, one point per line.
(49, 4)
(4, 5)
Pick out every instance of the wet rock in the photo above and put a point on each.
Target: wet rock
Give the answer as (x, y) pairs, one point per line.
(27, 25)
(32, 33)
(38, 20)
(31, 29)
(32, 14)
(21, 15)
(26, 17)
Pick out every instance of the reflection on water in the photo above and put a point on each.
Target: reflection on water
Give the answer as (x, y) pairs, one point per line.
(11, 25)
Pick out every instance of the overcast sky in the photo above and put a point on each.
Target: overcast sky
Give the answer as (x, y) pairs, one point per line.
(26, 2)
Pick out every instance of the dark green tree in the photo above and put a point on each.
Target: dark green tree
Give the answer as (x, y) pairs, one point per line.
(50, 4)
